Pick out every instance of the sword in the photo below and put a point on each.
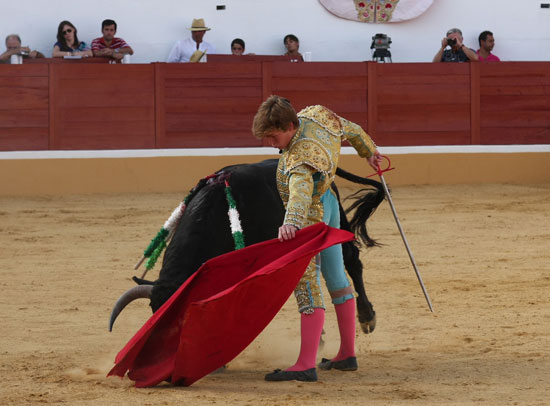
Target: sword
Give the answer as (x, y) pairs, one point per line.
(380, 173)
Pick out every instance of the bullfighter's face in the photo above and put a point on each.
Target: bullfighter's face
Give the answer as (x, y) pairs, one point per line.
(279, 138)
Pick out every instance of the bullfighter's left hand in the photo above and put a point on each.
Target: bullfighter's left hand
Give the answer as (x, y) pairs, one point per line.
(287, 232)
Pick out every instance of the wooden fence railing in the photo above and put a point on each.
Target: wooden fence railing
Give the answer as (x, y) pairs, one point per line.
(65, 106)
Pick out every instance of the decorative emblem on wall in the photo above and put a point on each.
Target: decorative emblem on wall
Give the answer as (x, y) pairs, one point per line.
(377, 11)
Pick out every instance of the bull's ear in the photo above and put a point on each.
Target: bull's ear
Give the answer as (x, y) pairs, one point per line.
(141, 281)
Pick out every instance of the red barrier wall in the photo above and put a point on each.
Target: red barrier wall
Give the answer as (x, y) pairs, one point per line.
(103, 106)
(24, 107)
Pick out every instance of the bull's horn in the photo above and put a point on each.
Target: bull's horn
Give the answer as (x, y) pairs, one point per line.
(137, 292)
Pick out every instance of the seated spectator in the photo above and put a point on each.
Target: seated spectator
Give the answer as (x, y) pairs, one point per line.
(67, 42)
(458, 52)
(486, 45)
(292, 45)
(184, 49)
(13, 47)
(109, 46)
(237, 46)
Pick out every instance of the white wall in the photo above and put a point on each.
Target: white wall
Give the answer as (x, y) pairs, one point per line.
(521, 28)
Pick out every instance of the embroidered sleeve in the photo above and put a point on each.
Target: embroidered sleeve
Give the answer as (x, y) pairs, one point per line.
(358, 138)
(301, 190)
(309, 152)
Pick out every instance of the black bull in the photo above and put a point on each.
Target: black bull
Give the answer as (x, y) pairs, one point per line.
(204, 232)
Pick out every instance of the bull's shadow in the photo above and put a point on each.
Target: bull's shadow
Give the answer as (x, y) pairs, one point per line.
(204, 232)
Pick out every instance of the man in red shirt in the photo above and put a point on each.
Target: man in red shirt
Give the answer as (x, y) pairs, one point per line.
(486, 45)
(110, 46)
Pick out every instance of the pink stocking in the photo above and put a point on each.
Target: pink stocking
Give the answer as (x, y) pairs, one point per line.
(311, 328)
(345, 314)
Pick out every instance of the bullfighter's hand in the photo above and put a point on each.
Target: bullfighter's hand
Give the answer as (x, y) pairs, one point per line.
(287, 232)
(375, 160)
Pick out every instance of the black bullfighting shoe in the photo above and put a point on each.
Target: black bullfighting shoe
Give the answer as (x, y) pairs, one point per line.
(309, 375)
(348, 364)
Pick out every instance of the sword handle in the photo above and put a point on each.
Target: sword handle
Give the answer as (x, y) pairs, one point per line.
(380, 172)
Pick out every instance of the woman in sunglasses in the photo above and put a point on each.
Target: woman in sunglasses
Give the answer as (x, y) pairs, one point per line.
(68, 44)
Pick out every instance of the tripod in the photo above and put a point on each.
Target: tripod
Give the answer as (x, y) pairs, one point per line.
(381, 55)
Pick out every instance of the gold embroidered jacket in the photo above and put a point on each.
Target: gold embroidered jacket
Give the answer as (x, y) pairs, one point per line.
(308, 164)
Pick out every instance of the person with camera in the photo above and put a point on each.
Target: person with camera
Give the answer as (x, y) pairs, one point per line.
(13, 47)
(458, 52)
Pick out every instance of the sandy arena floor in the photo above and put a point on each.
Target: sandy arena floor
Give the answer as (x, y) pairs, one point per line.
(483, 251)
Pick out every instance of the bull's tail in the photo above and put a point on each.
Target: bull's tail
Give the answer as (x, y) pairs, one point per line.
(365, 203)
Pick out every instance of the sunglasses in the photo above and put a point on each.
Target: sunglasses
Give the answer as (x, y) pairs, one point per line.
(68, 30)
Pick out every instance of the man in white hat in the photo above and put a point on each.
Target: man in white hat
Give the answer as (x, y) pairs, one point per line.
(192, 49)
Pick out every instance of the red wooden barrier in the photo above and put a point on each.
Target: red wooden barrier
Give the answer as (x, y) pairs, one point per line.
(515, 103)
(342, 87)
(24, 107)
(64, 60)
(422, 104)
(207, 104)
(102, 106)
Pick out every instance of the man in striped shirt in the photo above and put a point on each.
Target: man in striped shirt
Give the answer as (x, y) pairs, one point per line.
(110, 46)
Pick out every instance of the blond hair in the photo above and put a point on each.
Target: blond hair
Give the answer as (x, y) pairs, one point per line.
(274, 114)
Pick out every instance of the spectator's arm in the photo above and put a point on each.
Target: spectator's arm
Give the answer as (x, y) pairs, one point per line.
(126, 50)
(472, 56)
(85, 53)
(108, 52)
(119, 53)
(7, 55)
(57, 53)
(36, 54)
(439, 55)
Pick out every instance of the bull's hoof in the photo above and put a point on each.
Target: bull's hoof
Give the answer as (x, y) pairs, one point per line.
(369, 326)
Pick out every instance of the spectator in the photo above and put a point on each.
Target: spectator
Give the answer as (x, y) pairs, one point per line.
(237, 46)
(292, 45)
(486, 45)
(67, 42)
(110, 46)
(13, 47)
(184, 49)
(458, 52)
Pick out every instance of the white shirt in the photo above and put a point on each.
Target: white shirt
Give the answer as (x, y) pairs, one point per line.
(183, 49)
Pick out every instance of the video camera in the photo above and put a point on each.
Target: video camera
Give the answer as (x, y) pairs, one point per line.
(380, 41)
(451, 42)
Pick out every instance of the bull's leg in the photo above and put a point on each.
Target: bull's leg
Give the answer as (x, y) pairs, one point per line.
(354, 267)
